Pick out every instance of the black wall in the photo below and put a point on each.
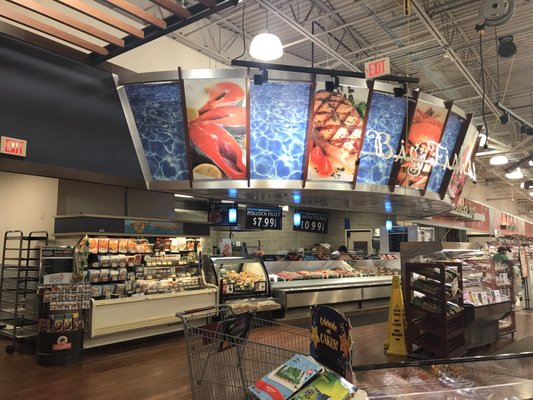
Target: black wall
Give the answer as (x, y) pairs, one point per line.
(69, 113)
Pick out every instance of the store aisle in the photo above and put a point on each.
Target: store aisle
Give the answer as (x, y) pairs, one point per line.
(157, 369)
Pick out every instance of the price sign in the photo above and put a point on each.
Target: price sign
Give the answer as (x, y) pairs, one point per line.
(312, 221)
(263, 218)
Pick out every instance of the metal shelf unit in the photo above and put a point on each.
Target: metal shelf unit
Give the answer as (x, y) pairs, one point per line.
(19, 277)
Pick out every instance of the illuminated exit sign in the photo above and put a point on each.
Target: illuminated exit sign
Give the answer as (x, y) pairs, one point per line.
(12, 146)
(377, 68)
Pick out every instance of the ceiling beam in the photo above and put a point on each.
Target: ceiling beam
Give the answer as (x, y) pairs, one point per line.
(138, 12)
(101, 16)
(50, 30)
(68, 21)
(304, 32)
(440, 37)
(173, 7)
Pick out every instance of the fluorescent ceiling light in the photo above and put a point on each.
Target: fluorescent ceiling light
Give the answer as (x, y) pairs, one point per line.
(184, 196)
(266, 47)
(181, 210)
(498, 160)
(514, 174)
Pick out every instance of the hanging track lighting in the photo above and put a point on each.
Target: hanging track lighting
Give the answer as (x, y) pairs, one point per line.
(266, 46)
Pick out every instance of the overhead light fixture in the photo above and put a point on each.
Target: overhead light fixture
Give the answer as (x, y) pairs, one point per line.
(400, 91)
(261, 78)
(482, 139)
(297, 218)
(504, 119)
(506, 48)
(531, 194)
(183, 196)
(530, 163)
(514, 174)
(332, 85)
(526, 185)
(498, 160)
(266, 46)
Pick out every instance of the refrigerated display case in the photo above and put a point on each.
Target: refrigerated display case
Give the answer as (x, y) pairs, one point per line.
(242, 282)
(505, 376)
(307, 282)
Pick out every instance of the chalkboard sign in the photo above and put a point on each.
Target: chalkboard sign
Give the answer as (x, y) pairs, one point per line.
(311, 221)
(263, 218)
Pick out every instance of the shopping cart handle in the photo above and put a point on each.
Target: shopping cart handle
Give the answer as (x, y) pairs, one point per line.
(208, 308)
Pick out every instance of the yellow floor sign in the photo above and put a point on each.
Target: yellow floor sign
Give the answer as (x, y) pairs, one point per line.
(395, 341)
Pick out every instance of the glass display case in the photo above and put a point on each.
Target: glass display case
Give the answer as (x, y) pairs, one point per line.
(237, 277)
(300, 282)
(507, 376)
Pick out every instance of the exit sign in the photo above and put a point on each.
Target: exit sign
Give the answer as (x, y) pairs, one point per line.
(377, 68)
(12, 146)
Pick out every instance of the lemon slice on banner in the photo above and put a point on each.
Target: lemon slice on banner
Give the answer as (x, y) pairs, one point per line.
(207, 171)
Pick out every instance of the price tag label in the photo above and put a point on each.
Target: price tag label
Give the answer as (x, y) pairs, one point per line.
(263, 218)
(455, 287)
(312, 221)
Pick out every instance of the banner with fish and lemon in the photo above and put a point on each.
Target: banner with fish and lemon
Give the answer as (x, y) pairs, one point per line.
(207, 126)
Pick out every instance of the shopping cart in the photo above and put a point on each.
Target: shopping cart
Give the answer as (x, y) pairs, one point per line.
(227, 353)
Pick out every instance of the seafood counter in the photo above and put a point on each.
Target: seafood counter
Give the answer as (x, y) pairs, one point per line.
(303, 283)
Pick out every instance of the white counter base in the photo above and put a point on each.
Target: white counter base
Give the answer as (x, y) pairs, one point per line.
(118, 320)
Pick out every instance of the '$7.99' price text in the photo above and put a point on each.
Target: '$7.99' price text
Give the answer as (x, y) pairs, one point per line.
(264, 222)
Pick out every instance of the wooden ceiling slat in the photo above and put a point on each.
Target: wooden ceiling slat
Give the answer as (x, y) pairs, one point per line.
(50, 30)
(208, 3)
(103, 17)
(138, 12)
(69, 21)
(173, 7)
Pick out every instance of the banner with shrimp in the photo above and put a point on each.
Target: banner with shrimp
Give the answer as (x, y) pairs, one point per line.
(422, 144)
(216, 116)
(336, 132)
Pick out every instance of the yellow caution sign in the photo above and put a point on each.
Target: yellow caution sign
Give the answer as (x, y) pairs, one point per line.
(396, 329)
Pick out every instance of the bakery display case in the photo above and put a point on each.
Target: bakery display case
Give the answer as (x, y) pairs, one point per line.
(242, 282)
(301, 283)
(506, 376)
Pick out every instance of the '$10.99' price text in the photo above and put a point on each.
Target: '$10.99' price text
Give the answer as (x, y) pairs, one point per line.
(265, 222)
(313, 226)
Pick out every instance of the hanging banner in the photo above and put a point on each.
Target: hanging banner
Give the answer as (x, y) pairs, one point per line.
(263, 218)
(158, 113)
(464, 166)
(331, 342)
(454, 126)
(385, 123)
(216, 114)
(336, 133)
(278, 127)
(422, 145)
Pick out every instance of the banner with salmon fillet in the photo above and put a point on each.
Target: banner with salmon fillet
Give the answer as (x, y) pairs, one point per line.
(422, 144)
(216, 115)
(336, 133)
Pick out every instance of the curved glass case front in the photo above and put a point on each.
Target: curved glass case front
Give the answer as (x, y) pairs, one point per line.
(507, 376)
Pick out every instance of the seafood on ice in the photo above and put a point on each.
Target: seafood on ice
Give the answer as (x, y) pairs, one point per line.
(337, 131)
(215, 131)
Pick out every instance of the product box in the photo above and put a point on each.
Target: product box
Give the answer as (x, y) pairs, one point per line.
(287, 379)
(327, 385)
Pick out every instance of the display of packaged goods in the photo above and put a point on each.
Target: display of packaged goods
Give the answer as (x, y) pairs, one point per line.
(113, 246)
(434, 306)
(93, 245)
(287, 379)
(327, 385)
(431, 287)
(123, 246)
(434, 273)
(103, 245)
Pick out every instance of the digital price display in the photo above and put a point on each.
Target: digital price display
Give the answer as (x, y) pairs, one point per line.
(222, 214)
(311, 221)
(263, 218)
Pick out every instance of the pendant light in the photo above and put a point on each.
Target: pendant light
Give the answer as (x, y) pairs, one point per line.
(266, 46)
(498, 160)
(514, 174)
